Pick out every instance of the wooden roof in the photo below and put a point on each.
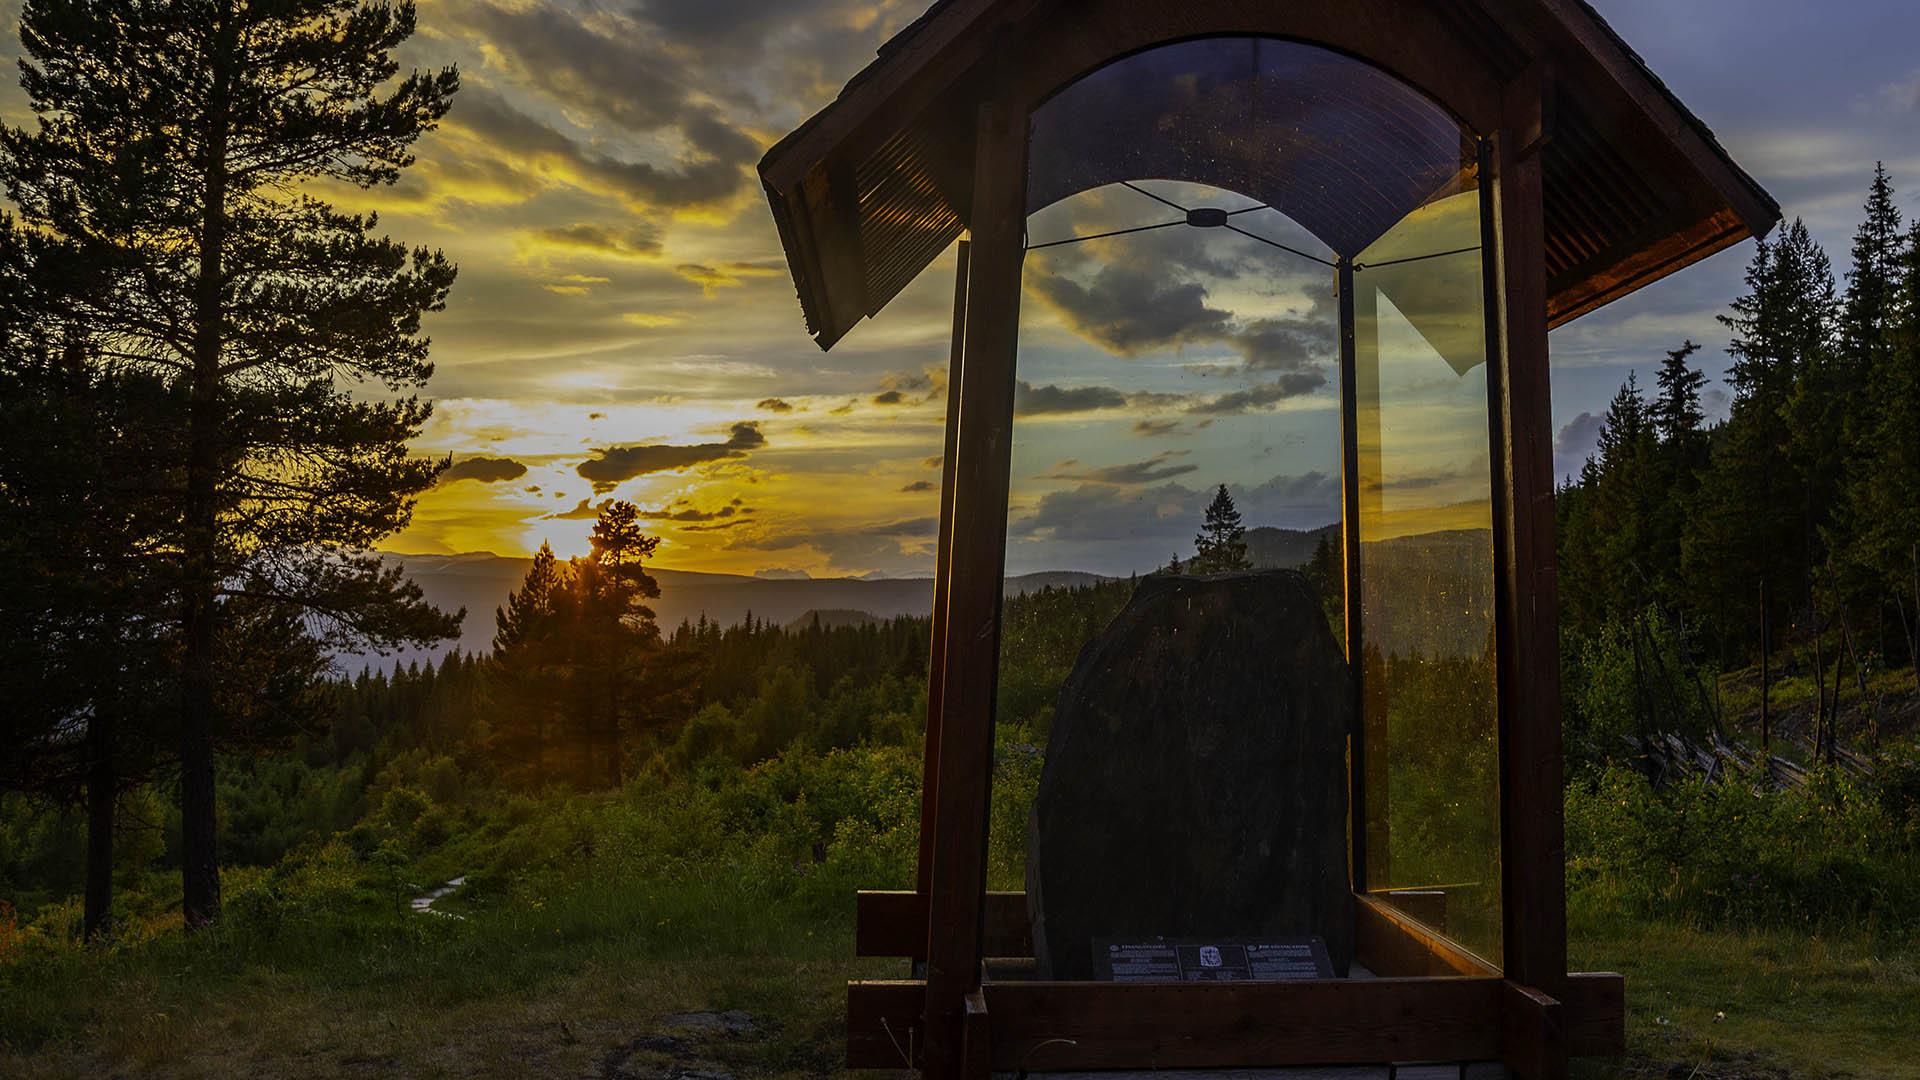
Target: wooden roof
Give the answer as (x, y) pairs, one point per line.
(874, 187)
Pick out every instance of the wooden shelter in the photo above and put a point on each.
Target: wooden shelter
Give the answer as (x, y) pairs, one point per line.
(1587, 180)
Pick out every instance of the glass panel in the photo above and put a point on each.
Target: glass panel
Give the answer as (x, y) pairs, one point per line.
(1173, 756)
(1191, 789)
(1426, 574)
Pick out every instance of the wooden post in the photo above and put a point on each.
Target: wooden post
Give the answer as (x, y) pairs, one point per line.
(942, 580)
(977, 564)
(1532, 827)
(1350, 483)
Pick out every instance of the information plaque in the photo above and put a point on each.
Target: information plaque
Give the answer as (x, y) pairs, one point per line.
(1211, 960)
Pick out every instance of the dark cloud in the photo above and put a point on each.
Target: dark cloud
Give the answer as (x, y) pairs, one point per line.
(1130, 309)
(613, 72)
(625, 243)
(1031, 400)
(710, 173)
(1578, 440)
(1262, 395)
(612, 465)
(487, 470)
(1159, 467)
(774, 405)
(1152, 427)
(684, 511)
(918, 485)
(588, 510)
(890, 397)
(1286, 344)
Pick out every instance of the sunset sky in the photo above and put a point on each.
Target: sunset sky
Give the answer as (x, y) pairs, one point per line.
(624, 325)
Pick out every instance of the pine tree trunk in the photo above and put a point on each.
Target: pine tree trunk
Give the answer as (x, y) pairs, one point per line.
(103, 786)
(199, 865)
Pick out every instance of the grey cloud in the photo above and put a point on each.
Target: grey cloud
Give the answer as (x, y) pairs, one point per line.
(917, 486)
(486, 470)
(1031, 400)
(1285, 344)
(1155, 427)
(710, 173)
(775, 405)
(1576, 442)
(1153, 470)
(612, 465)
(1129, 309)
(1263, 395)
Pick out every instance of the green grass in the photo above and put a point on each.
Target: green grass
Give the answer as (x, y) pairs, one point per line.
(1761, 1003)
(590, 919)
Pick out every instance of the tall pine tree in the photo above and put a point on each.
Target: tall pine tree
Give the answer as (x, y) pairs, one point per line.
(1221, 546)
(176, 149)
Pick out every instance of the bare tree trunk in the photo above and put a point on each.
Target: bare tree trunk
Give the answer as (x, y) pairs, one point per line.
(1913, 632)
(103, 787)
(1870, 704)
(199, 864)
(1766, 660)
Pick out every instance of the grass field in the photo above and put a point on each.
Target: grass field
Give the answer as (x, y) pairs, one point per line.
(588, 984)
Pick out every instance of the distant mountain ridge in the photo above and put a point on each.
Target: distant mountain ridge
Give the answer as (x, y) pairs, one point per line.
(481, 581)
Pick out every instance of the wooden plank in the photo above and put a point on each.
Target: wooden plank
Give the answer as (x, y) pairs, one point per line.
(983, 459)
(895, 924)
(1533, 858)
(884, 1024)
(1596, 1014)
(1053, 1026)
(1532, 1034)
(942, 582)
(1391, 943)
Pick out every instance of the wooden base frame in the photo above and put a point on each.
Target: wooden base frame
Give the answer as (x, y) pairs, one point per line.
(1433, 1002)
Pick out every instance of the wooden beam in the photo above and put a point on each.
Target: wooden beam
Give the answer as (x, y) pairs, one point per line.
(884, 1024)
(1170, 1025)
(983, 458)
(1391, 943)
(976, 1051)
(1596, 1014)
(1666, 247)
(1533, 857)
(942, 581)
(895, 924)
(1532, 1034)
(1053, 1026)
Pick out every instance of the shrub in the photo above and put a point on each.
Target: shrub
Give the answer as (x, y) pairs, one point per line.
(1828, 855)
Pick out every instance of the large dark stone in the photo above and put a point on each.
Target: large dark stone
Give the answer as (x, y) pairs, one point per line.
(1196, 780)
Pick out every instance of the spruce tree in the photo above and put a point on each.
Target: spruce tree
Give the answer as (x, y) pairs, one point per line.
(1221, 546)
(1750, 524)
(176, 150)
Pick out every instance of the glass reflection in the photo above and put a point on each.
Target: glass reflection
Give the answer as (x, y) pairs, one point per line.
(1426, 574)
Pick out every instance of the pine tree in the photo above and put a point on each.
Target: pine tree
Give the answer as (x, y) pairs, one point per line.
(1750, 524)
(1221, 545)
(528, 668)
(174, 152)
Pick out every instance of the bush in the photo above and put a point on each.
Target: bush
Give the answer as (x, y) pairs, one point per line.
(1825, 856)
